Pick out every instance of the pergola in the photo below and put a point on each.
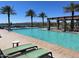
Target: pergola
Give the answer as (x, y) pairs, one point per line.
(64, 19)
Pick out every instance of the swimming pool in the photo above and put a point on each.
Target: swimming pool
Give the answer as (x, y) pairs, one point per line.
(66, 40)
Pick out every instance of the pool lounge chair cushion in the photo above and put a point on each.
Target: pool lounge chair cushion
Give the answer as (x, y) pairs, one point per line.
(18, 49)
(1, 54)
(35, 54)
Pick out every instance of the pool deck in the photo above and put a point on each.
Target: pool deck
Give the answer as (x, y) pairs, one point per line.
(58, 52)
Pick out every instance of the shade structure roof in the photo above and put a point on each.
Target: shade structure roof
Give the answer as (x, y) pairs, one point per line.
(76, 17)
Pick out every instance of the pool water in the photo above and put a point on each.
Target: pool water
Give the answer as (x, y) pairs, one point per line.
(66, 40)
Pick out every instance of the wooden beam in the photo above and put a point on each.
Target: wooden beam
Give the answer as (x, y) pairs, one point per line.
(67, 17)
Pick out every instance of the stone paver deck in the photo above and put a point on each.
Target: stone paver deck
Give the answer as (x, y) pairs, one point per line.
(58, 52)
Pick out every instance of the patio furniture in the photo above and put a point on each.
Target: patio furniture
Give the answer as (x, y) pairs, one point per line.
(1, 54)
(20, 48)
(39, 53)
(15, 43)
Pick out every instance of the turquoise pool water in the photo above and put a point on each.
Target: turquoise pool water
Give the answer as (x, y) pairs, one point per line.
(66, 40)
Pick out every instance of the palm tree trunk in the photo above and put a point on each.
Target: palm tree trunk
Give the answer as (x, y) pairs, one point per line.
(72, 21)
(31, 21)
(77, 21)
(43, 21)
(8, 20)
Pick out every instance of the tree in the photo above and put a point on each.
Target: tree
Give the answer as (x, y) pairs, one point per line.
(42, 15)
(9, 11)
(72, 8)
(32, 14)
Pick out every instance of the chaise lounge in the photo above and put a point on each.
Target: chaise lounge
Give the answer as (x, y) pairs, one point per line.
(21, 48)
(39, 53)
(26, 51)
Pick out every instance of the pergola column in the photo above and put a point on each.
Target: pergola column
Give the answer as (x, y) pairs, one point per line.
(77, 21)
(48, 20)
(77, 25)
(58, 23)
(65, 24)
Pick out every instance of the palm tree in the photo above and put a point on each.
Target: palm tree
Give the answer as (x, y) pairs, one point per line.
(9, 11)
(42, 15)
(72, 8)
(31, 13)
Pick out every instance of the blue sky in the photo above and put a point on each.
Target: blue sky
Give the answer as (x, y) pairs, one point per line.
(51, 8)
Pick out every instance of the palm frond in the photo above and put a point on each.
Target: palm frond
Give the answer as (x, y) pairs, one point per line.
(6, 10)
(30, 13)
(70, 8)
(42, 14)
(77, 7)
(67, 9)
